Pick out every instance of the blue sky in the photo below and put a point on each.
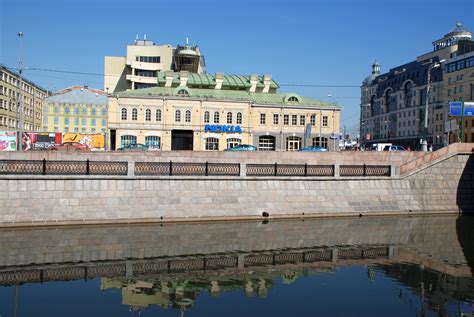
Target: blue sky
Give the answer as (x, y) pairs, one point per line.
(328, 42)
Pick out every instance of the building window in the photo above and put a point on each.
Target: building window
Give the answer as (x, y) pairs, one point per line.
(76, 121)
(183, 93)
(177, 116)
(206, 117)
(134, 114)
(286, 119)
(158, 115)
(325, 121)
(67, 110)
(294, 119)
(317, 141)
(104, 112)
(84, 111)
(293, 143)
(263, 118)
(313, 119)
(239, 118)
(212, 144)
(229, 117)
(153, 142)
(293, 99)
(266, 143)
(83, 121)
(147, 115)
(460, 88)
(94, 111)
(66, 121)
(233, 142)
(76, 111)
(104, 122)
(302, 120)
(76, 129)
(56, 109)
(216, 117)
(124, 113)
(276, 118)
(93, 122)
(56, 120)
(187, 116)
(127, 140)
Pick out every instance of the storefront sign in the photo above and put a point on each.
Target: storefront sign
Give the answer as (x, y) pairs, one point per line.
(215, 128)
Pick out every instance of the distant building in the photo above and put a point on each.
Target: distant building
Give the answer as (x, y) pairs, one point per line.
(10, 102)
(145, 62)
(76, 109)
(212, 112)
(393, 103)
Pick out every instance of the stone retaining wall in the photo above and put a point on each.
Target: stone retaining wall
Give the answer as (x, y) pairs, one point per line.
(444, 185)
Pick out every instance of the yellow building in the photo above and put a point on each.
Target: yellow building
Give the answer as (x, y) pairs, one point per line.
(76, 109)
(458, 85)
(198, 112)
(10, 102)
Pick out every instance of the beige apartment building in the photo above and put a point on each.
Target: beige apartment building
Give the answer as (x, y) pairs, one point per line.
(144, 62)
(210, 112)
(10, 102)
(458, 85)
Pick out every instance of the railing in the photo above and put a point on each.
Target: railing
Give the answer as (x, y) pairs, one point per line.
(87, 167)
(289, 170)
(186, 169)
(45, 167)
(364, 170)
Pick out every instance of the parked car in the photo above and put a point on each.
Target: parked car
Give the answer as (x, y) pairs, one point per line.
(313, 149)
(69, 146)
(394, 148)
(134, 147)
(242, 147)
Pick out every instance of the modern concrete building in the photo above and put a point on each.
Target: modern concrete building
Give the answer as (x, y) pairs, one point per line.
(145, 62)
(189, 111)
(76, 109)
(393, 104)
(10, 102)
(458, 85)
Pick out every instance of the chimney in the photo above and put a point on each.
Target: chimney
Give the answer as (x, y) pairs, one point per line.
(183, 75)
(169, 78)
(267, 80)
(253, 82)
(219, 81)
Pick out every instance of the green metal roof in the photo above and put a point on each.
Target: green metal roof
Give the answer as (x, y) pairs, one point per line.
(209, 81)
(236, 95)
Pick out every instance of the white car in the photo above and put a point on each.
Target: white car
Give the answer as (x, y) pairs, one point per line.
(394, 148)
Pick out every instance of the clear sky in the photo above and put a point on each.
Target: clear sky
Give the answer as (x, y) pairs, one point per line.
(298, 42)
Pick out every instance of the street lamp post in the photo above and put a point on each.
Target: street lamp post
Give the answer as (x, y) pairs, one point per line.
(20, 67)
(424, 142)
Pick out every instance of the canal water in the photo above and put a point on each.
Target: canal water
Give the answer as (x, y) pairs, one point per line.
(383, 266)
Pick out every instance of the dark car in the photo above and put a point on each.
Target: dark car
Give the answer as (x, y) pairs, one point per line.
(313, 149)
(242, 147)
(69, 146)
(134, 147)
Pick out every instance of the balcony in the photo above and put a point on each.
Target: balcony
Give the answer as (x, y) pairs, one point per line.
(142, 79)
(145, 66)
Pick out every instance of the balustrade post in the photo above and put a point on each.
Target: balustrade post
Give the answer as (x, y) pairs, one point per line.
(365, 171)
(87, 167)
(336, 170)
(243, 169)
(44, 166)
(207, 168)
(276, 169)
(305, 169)
(171, 168)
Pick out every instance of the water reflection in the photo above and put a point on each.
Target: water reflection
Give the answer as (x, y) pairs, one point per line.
(418, 266)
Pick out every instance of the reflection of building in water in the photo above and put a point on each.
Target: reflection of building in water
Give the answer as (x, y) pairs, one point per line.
(181, 292)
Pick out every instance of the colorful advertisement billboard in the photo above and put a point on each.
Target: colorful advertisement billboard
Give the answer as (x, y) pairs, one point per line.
(7, 141)
(95, 142)
(40, 140)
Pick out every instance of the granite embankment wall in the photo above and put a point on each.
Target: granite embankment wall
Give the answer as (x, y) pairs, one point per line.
(420, 182)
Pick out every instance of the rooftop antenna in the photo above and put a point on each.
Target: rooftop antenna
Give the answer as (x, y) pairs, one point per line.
(136, 38)
(187, 40)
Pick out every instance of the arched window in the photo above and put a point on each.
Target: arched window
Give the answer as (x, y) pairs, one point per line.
(124, 113)
(187, 116)
(239, 118)
(216, 117)
(177, 116)
(293, 99)
(127, 140)
(212, 144)
(317, 141)
(134, 114)
(153, 142)
(266, 143)
(183, 93)
(293, 143)
(56, 109)
(233, 142)
(67, 110)
(229, 117)
(206, 117)
(84, 111)
(158, 115)
(76, 111)
(104, 111)
(94, 111)
(147, 115)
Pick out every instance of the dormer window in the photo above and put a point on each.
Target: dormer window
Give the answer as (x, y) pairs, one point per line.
(183, 93)
(293, 99)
